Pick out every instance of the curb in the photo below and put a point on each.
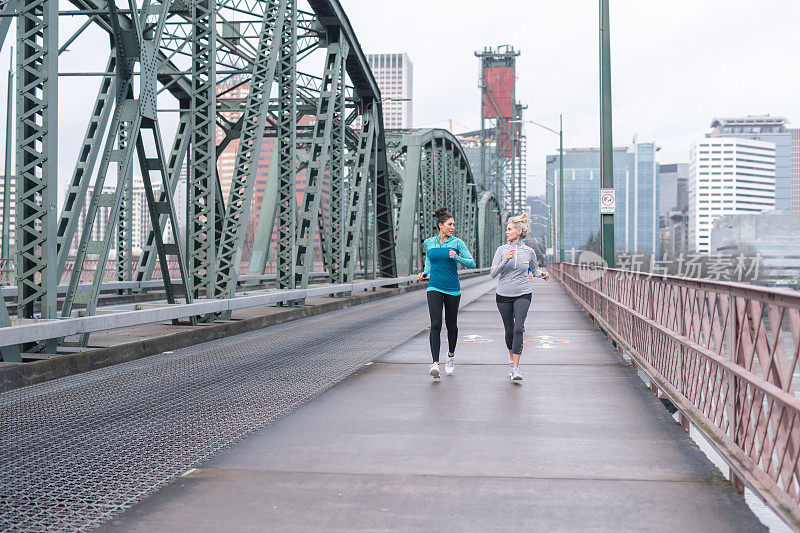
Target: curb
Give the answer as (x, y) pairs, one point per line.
(17, 375)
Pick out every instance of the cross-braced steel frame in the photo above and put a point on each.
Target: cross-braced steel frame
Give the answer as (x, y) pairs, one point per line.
(283, 87)
(432, 171)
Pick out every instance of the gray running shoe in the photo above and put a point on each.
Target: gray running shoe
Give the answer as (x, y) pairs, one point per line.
(434, 370)
(450, 366)
(515, 375)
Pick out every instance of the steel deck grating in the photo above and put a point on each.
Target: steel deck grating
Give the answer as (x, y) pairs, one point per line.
(79, 450)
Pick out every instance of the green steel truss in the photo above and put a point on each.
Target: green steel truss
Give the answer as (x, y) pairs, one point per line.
(125, 217)
(201, 187)
(357, 202)
(318, 161)
(284, 197)
(367, 193)
(134, 129)
(37, 146)
(180, 145)
(434, 172)
(237, 207)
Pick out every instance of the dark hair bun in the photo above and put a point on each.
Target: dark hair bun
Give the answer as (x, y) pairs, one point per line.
(442, 211)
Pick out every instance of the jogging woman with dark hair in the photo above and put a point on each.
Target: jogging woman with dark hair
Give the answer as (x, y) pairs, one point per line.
(442, 253)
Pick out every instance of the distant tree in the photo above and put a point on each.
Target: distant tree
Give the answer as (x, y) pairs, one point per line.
(593, 243)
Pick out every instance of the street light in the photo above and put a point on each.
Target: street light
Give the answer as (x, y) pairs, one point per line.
(560, 134)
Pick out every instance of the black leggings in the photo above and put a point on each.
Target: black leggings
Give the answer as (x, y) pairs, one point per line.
(513, 310)
(437, 300)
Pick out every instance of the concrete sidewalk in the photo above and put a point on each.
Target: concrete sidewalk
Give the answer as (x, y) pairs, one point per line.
(580, 444)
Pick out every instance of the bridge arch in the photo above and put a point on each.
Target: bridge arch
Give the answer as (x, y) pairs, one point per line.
(429, 169)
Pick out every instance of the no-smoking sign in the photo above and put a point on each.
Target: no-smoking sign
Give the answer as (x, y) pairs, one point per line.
(608, 201)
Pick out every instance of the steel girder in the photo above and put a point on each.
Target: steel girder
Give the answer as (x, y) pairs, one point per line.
(286, 145)
(384, 212)
(201, 188)
(337, 178)
(435, 172)
(237, 207)
(357, 202)
(37, 148)
(125, 217)
(177, 154)
(320, 145)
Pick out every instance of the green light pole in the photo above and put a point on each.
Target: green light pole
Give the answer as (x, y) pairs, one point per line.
(560, 134)
(606, 146)
(561, 188)
(6, 237)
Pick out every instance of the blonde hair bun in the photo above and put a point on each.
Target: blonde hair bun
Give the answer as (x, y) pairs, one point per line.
(524, 218)
(523, 223)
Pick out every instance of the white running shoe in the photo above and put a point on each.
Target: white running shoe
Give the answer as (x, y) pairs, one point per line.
(515, 375)
(450, 366)
(510, 368)
(434, 371)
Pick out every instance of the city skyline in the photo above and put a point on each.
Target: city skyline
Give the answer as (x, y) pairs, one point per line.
(662, 87)
(669, 73)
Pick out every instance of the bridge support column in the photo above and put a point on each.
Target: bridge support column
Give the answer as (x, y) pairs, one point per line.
(201, 201)
(37, 161)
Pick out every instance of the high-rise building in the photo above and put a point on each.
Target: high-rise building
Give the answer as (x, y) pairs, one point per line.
(140, 218)
(673, 179)
(794, 162)
(769, 129)
(471, 144)
(636, 183)
(727, 175)
(394, 74)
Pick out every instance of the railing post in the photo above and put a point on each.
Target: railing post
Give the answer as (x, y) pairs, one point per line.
(732, 404)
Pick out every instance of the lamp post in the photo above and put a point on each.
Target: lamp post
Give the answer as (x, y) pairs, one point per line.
(5, 229)
(606, 146)
(560, 134)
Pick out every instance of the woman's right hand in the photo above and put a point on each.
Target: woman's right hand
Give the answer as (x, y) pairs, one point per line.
(421, 276)
(510, 254)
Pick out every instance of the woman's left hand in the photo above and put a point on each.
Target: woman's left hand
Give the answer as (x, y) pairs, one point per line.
(530, 275)
(452, 254)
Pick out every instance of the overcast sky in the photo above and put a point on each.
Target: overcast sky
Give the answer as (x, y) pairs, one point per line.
(675, 66)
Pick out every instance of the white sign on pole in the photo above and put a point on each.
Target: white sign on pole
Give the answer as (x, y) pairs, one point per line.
(608, 202)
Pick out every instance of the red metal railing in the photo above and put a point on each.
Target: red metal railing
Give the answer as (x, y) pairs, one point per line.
(726, 354)
(6, 271)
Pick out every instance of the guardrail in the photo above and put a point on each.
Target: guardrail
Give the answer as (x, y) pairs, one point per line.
(11, 291)
(66, 327)
(725, 354)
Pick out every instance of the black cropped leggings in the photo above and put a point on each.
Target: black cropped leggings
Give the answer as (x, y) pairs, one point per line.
(514, 310)
(437, 300)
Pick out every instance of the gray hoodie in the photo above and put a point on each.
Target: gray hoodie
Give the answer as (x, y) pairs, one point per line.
(513, 273)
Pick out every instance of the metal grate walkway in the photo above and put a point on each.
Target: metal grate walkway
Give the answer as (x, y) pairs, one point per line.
(78, 450)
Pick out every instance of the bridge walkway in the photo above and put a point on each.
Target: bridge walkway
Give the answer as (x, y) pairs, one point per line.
(580, 444)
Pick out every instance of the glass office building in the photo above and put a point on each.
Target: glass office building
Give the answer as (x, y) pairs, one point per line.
(637, 195)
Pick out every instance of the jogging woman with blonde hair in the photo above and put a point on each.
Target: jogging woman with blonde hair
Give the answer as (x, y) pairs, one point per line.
(512, 263)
